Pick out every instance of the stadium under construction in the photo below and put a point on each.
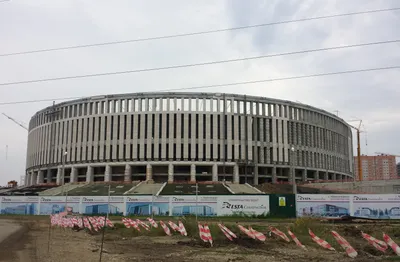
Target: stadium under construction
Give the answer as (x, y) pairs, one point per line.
(186, 137)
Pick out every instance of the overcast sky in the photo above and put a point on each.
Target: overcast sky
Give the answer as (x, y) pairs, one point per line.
(29, 25)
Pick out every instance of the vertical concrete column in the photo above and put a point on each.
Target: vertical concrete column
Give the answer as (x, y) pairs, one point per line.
(304, 175)
(40, 177)
(236, 179)
(326, 176)
(274, 178)
(128, 173)
(256, 175)
(89, 174)
(215, 173)
(149, 172)
(26, 179)
(170, 173)
(290, 170)
(59, 171)
(33, 178)
(316, 175)
(107, 174)
(334, 177)
(192, 173)
(74, 175)
(48, 175)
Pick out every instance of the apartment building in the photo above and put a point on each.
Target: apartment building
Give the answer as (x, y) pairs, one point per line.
(380, 167)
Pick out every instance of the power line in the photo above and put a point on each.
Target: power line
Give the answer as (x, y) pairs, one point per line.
(198, 33)
(226, 84)
(40, 100)
(194, 65)
(288, 78)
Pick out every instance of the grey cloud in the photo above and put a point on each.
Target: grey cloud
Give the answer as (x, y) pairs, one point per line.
(43, 24)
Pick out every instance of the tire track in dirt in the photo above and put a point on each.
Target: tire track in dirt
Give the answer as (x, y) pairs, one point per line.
(15, 247)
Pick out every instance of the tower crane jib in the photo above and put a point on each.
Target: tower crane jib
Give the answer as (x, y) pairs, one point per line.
(15, 121)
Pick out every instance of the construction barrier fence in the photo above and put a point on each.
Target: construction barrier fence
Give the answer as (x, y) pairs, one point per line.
(382, 206)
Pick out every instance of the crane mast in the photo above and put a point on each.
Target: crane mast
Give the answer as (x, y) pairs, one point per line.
(358, 129)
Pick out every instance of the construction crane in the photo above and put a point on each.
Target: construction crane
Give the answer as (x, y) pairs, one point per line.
(358, 129)
(380, 153)
(15, 121)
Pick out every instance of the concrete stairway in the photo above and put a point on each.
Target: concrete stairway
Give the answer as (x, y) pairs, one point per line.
(56, 191)
(243, 189)
(145, 189)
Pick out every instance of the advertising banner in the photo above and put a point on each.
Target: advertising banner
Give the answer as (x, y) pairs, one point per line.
(316, 205)
(145, 205)
(383, 206)
(376, 206)
(187, 205)
(239, 205)
(96, 205)
(57, 204)
(19, 205)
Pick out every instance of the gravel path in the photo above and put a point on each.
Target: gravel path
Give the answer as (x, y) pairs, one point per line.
(7, 228)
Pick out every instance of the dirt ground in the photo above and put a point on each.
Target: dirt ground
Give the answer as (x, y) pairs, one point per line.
(37, 243)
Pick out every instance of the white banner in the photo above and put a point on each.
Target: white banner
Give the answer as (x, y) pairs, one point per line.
(138, 205)
(57, 204)
(96, 205)
(376, 206)
(187, 205)
(19, 205)
(383, 206)
(239, 205)
(146, 205)
(317, 205)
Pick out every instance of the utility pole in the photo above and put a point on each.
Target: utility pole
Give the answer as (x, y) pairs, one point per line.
(105, 222)
(246, 140)
(293, 174)
(152, 203)
(197, 200)
(224, 135)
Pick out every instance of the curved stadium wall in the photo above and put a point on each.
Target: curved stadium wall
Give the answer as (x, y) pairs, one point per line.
(186, 137)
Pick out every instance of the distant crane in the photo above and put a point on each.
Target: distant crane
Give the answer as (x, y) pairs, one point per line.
(358, 129)
(15, 121)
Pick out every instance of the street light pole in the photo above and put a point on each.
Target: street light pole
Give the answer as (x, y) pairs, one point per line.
(294, 186)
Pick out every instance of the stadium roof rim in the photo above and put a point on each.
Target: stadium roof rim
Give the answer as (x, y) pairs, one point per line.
(166, 94)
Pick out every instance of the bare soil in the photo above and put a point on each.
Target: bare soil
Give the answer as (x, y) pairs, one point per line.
(36, 243)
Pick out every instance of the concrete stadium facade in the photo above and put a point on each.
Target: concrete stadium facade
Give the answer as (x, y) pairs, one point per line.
(186, 137)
